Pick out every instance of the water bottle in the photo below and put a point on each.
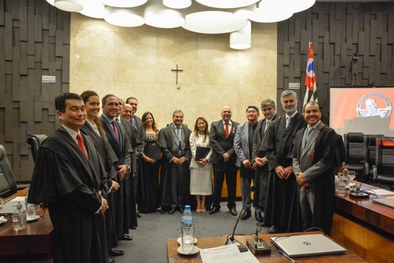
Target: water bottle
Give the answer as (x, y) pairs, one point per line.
(345, 175)
(341, 183)
(187, 230)
(19, 218)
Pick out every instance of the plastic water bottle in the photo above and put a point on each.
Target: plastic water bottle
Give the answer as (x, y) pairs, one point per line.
(187, 230)
(342, 182)
(19, 218)
(345, 175)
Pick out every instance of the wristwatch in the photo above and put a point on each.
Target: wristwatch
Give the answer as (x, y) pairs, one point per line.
(128, 168)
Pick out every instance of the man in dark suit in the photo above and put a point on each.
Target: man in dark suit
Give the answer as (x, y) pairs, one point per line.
(121, 145)
(281, 186)
(260, 161)
(314, 165)
(223, 159)
(175, 180)
(243, 142)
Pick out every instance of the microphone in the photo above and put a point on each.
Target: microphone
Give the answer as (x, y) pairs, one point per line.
(257, 245)
(231, 239)
(358, 193)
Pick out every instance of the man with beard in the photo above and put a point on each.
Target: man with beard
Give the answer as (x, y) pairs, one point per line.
(175, 180)
(260, 161)
(314, 165)
(281, 186)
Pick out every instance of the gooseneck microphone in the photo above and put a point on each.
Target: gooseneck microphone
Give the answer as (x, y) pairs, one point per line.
(231, 239)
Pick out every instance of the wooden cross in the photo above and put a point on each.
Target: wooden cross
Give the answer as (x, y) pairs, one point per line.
(176, 71)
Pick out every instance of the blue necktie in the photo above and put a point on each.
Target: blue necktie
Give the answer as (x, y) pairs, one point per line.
(308, 135)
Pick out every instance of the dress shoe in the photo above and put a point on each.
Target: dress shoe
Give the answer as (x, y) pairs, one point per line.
(214, 210)
(172, 211)
(116, 252)
(246, 214)
(127, 237)
(138, 214)
(233, 211)
(272, 230)
(259, 217)
(110, 260)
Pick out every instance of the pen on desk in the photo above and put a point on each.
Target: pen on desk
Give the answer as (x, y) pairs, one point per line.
(286, 256)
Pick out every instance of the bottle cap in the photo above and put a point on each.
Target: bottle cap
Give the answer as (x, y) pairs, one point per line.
(187, 207)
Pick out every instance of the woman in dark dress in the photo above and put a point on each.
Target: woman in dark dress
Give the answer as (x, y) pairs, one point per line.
(150, 165)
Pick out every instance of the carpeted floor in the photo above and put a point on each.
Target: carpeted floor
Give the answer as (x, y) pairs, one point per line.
(149, 243)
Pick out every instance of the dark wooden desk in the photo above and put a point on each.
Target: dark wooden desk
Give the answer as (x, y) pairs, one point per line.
(33, 244)
(365, 227)
(208, 242)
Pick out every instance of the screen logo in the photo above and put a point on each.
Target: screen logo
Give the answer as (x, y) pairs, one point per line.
(374, 104)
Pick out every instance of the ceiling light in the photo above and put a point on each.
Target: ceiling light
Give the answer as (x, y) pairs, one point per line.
(301, 5)
(94, 9)
(69, 5)
(242, 39)
(157, 15)
(123, 3)
(177, 4)
(213, 22)
(268, 11)
(227, 3)
(124, 17)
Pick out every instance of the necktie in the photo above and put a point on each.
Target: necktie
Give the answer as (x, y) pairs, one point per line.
(288, 121)
(115, 130)
(266, 125)
(81, 145)
(179, 134)
(308, 135)
(226, 130)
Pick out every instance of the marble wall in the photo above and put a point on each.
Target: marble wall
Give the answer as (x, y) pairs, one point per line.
(138, 62)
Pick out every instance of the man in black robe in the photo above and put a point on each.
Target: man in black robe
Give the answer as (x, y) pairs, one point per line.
(121, 145)
(281, 186)
(175, 180)
(314, 164)
(67, 178)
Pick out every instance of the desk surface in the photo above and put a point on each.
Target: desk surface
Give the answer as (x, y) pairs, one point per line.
(208, 242)
(369, 212)
(36, 239)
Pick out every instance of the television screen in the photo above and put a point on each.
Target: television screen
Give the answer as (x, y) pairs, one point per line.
(366, 110)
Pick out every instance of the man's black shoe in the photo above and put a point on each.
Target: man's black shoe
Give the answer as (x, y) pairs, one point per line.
(127, 237)
(233, 211)
(247, 214)
(272, 230)
(259, 217)
(116, 252)
(172, 211)
(214, 210)
(110, 260)
(138, 214)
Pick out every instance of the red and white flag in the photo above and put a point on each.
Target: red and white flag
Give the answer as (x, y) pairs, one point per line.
(310, 78)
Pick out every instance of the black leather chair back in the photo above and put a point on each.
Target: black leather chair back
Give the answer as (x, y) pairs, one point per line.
(384, 173)
(356, 146)
(7, 179)
(35, 141)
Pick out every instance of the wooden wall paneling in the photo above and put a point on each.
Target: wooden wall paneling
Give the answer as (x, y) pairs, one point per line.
(22, 18)
(38, 28)
(384, 55)
(2, 12)
(8, 36)
(23, 59)
(52, 21)
(390, 28)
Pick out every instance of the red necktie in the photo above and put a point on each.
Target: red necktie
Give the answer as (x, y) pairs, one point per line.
(115, 130)
(226, 130)
(81, 145)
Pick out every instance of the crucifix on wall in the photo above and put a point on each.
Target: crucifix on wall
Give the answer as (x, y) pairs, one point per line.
(176, 70)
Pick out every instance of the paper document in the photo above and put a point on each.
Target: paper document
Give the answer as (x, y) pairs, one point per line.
(226, 254)
(10, 205)
(379, 191)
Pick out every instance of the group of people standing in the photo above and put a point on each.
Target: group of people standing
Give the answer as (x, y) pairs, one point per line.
(97, 173)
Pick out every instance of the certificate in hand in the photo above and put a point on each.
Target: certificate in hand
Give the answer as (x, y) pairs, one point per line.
(202, 152)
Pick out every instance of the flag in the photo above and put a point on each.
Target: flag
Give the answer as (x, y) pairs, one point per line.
(310, 78)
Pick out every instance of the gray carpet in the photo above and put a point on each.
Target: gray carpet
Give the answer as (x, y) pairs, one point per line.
(150, 238)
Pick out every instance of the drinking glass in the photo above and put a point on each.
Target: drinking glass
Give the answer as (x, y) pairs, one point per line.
(1, 203)
(351, 175)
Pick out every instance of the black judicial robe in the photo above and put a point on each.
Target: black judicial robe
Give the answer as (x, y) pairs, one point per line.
(324, 185)
(68, 183)
(280, 192)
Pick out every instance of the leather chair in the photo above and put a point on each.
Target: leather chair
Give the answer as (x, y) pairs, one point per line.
(7, 179)
(383, 171)
(35, 140)
(356, 146)
(371, 154)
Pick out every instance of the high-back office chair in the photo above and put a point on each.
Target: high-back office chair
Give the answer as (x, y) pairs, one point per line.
(356, 146)
(371, 153)
(35, 140)
(7, 179)
(383, 172)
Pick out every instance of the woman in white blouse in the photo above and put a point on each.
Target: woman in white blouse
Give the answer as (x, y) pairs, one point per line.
(200, 170)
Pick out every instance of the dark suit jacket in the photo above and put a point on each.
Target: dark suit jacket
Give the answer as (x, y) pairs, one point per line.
(258, 148)
(166, 139)
(219, 143)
